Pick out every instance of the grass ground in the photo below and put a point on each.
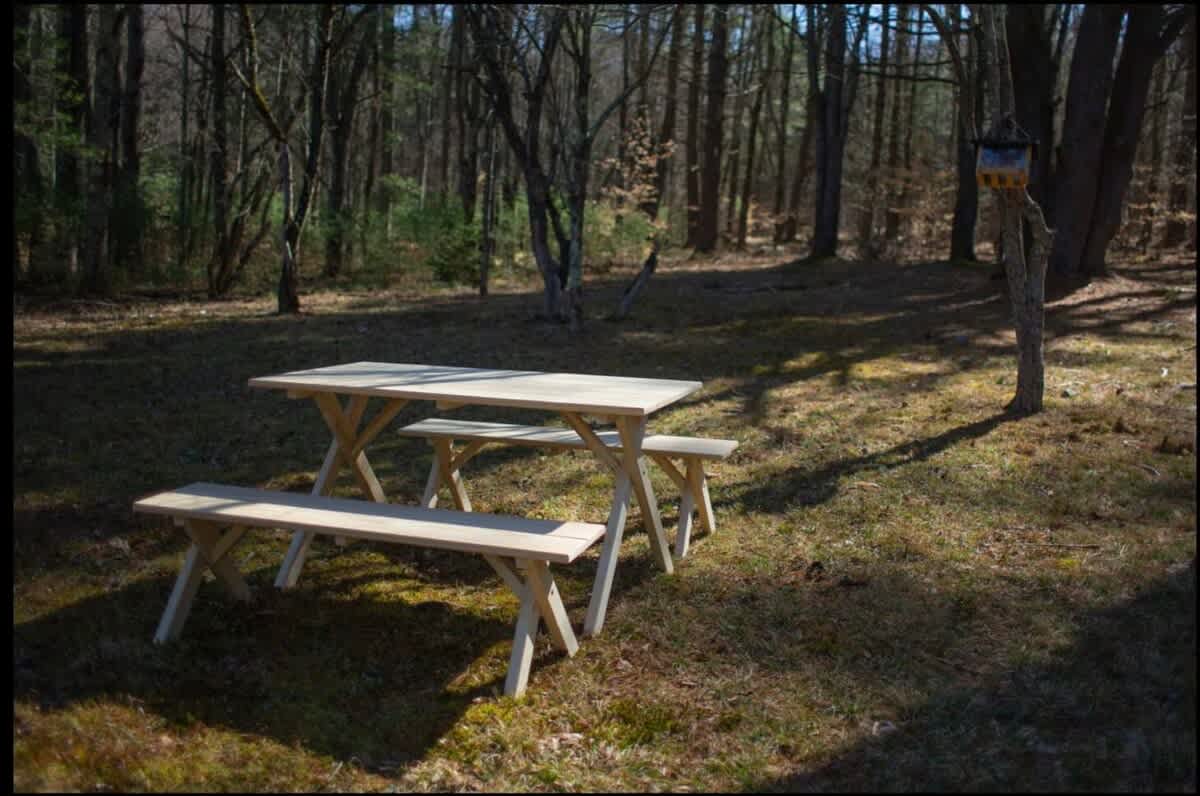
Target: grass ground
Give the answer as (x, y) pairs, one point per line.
(908, 590)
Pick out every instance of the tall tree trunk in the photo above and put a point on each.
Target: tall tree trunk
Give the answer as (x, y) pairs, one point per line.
(1145, 42)
(710, 197)
(741, 87)
(785, 84)
(1083, 139)
(1150, 199)
(73, 62)
(904, 195)
(866, 225)
(221, 263)
(1035, 84)
(1026, 278)
(831, 138)
(387, 127)
(131, 212)
(693, 128)
(891, 216)
(341, 105)
(968, 108)
(752, 137)
(102, 136)
(487, 235)
(1184, 172)
(28, 190)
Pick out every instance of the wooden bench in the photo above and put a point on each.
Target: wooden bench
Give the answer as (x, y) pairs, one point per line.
(519, 549)
(692, 481)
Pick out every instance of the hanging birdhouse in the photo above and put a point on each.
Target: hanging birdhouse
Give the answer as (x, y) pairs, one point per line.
(1003, 163)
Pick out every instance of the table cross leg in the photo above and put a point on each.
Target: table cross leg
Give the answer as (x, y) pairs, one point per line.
(346, 447)
(632, 431)
(209, 550)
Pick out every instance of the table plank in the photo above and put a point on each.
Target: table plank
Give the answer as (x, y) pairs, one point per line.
(573, 392)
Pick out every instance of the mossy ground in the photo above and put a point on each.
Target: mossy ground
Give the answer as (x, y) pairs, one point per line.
(908, 589)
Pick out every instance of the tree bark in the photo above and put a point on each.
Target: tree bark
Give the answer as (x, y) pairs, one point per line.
(785, 83)
(968, 108)
(1184, 172)
(693, 128)
(73, 62)
(131, 212)
(831, 139)
(1026, 278)
(102, 136)
(710, 197)
(1146, 41)
(891, 216)
(1083, 140)
(866, 226)
(743, 214)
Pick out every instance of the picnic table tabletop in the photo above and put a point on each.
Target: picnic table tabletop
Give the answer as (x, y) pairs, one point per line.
(571, 392)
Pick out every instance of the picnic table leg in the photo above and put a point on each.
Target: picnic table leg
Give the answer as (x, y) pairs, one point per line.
(346, 447)
(632, 431)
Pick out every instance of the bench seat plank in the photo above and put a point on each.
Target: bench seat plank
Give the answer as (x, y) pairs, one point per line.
(540, 436)
(489, 534)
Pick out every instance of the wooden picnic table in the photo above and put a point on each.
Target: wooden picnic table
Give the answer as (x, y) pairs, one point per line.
(624, 401)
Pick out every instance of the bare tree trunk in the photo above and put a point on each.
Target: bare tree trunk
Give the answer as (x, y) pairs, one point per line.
(891, 217)
(221, 262)
(1185, 155)
(710, 197)
(487, 243)
(785, 84)
(1147, 36)
(755, 112)
(130, 209)
(1026, 279)
(102, 136)
(968, 108)
(693, 128)
(831, 138)
(1082, 143)
(866, 225)
(28, 189)
(73, 62)
(1149, 193)
(741, 87)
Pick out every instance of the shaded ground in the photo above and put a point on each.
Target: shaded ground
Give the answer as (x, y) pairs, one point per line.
(907, 590)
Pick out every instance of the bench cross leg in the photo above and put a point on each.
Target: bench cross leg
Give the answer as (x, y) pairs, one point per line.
(209, 550)
(540, 601)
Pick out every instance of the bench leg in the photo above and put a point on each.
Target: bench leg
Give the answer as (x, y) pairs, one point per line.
(540, 600)
(522, 651)
(684, 534)
(699, 489)
(209, 550)
(430, 498)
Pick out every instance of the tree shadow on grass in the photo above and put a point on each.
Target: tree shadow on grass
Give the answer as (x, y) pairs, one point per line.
(375, 677)
(1116, 710)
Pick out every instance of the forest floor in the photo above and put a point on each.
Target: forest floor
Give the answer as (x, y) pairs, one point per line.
(907, 590)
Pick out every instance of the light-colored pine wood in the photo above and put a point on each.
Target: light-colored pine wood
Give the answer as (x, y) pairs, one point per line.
(343, 431)
(179, 604)
(213, 546)
(493, 534)
(632, 431)
(550, 604)
(699, 482)
(606, 568)
(450, 476)
(572, 392)
(522, 651)
(545, 437)
(593, 442)
(683, 535)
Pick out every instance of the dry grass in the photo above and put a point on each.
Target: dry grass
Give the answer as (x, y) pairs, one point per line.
(908, 590)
